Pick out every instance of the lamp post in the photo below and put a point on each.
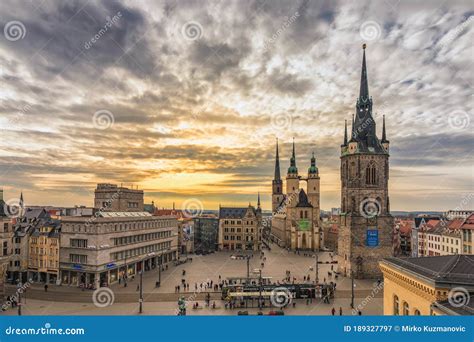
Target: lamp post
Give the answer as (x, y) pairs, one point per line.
(140, 300)
(317, 268)
(19, 298)
(352, 290)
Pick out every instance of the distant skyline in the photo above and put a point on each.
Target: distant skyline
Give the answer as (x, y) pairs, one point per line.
(185, 99)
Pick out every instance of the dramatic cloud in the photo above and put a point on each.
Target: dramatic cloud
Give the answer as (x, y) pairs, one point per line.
(186, 98)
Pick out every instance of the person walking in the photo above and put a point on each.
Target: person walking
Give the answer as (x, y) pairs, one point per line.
(45, 287)
(333, 311)
(340, 311)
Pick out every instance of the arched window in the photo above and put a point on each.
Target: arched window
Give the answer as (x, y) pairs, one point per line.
(406, 309)
(396, 309)
(371, 174)
(417, 312)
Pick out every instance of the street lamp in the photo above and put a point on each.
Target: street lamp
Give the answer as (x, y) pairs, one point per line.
(317, 268)
(140, 300)
(19, 297)
(352, 289)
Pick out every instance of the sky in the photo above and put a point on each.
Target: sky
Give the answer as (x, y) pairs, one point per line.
(185, 99)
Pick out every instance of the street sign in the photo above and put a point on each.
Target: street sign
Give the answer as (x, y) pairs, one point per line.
(372, 238)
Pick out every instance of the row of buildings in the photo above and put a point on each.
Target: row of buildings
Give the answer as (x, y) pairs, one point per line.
(88, 246)
(117, 238)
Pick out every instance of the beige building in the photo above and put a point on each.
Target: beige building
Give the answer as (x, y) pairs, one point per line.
(421, 286)
(296, 214)
(6, 239)
(110, 197)
(43, 258)
(467, 229)
(100, 249)
(240, 228)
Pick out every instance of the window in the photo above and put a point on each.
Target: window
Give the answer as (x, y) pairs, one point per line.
(78, 258)
(396, 309)
(370, 174)
(78, 243)
(417, 312)
(406, 309)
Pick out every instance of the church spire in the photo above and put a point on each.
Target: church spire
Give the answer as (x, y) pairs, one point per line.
(364, 85)
(384, 135)
(258, 200)
(277, 163)
(293, 168)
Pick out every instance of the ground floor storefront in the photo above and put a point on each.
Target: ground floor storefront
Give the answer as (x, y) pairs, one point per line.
(113, 272)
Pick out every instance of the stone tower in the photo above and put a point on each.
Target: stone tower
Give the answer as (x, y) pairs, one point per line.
(314, 198)
(366, 226)
(292, 178)
(277, 184)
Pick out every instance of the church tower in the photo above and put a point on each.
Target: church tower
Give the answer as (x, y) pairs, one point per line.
(313, 186)
(292, 178)
(366, 226)
(277, 184)
(313, 197)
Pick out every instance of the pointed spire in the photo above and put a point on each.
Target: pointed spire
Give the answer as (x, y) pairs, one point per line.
(364, 85)
(293, 168)
(22, 202)
(277, 163)
(384, 135)
(313, 169)
(258, 200)
(352, 129)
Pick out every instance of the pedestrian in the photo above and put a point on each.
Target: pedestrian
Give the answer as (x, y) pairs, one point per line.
(138, 287)
(333, 311)
(45, 287)
(340, 311)
(360, 313)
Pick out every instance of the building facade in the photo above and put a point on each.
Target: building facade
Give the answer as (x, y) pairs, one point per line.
(43, 257)
(6, 240)
(296, 221)
(413, 286)
(206, 234)
(110, 197)
(240, 228)
(367, 227)
(24, 226)
(467, 229)
(100, 249)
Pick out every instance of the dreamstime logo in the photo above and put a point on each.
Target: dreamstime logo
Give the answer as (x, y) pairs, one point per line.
(281, 121)
(458, 119)
(280, 297)
(12, 207)
(103, 119)
(103, 297)
(14, 30)
(369, 208)
(458, 297)
(192, 30)
(192, 207)
(370, 30)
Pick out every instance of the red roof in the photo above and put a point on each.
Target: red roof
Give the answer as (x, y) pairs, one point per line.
(169, 212)
(455, 224)
(432, 223)
(405, 227)
(468, 223)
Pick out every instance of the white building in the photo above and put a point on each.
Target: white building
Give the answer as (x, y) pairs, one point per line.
(100, 249)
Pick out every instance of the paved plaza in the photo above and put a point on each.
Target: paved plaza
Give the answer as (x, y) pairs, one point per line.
(65, 300)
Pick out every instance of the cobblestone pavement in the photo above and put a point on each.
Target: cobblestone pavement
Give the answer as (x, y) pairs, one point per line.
(40, 308)
(162, 300)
